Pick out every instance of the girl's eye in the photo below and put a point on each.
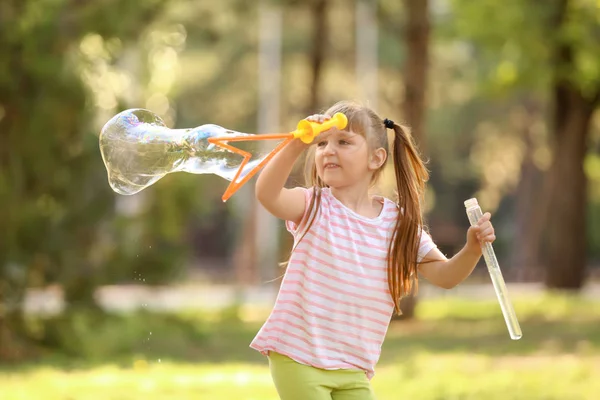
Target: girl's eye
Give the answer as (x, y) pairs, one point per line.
(344, 142)
(321, 144)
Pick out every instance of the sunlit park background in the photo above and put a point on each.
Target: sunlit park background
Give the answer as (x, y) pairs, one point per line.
(158, 295)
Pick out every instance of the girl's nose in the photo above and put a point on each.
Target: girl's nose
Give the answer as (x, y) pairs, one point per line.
(329, 148)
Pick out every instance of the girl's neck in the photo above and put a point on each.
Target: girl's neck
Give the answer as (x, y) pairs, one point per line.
(358, 199)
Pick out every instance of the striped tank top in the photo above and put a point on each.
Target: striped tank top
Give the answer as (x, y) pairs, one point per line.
(334, 306)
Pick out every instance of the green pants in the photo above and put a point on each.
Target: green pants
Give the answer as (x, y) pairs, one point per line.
(295, 381)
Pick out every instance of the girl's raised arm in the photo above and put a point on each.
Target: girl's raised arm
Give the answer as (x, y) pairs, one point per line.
(286, 204)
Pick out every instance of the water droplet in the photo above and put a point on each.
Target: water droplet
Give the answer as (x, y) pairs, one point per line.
(159, 360)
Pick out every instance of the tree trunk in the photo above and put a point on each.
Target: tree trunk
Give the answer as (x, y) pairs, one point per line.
(318, 10)
(528, 219)
(15, 343)
(416, 67)
(367, 43)
(244, 257)
(266, 233)
(416, 38)
(565, 225)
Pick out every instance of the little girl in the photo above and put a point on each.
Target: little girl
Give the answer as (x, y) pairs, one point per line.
(355, 255)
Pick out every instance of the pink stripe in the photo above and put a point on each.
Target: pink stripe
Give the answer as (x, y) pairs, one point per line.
(320, 357)
(350, 239)
(316, 346)
(321, 317)
(338, 279)
(384, 324)
(275, 329)
(322, 328)
(357, 231)
(338, 301)
(337, 290)
(360, 221)
(316, 246)
(325, 318)
(323, 239)
(382, 216)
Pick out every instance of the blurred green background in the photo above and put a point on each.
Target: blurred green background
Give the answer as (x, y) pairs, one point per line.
(158, 295)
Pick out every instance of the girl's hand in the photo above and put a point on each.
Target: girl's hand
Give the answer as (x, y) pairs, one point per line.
(481, 233)
(318, 118)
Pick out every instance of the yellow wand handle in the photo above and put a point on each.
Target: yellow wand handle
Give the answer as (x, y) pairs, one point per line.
(307, 130)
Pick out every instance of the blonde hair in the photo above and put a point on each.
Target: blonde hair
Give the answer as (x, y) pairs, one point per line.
(411, 176)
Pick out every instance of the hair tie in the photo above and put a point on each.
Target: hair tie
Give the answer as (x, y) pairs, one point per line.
(388, 123)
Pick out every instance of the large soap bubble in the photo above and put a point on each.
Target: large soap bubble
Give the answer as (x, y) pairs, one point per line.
(138, 149)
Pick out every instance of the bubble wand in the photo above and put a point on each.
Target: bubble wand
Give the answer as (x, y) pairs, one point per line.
(305, 131)
(138, 149)
(474, 213)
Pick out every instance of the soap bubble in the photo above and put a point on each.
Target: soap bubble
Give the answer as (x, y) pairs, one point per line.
(138, 149)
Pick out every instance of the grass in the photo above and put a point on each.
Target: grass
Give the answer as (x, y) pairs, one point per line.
(457, 350)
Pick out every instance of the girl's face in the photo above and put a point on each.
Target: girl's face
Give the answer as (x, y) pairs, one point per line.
(342, 158)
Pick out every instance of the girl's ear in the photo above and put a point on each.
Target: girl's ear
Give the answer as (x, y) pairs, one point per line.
(377, 159)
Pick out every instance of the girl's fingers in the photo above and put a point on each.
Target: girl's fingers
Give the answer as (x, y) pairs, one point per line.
(487, 238)
(486, 230)
(319, 118)
(484, 218)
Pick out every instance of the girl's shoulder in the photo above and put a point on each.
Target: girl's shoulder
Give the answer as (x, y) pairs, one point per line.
(387, 202)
